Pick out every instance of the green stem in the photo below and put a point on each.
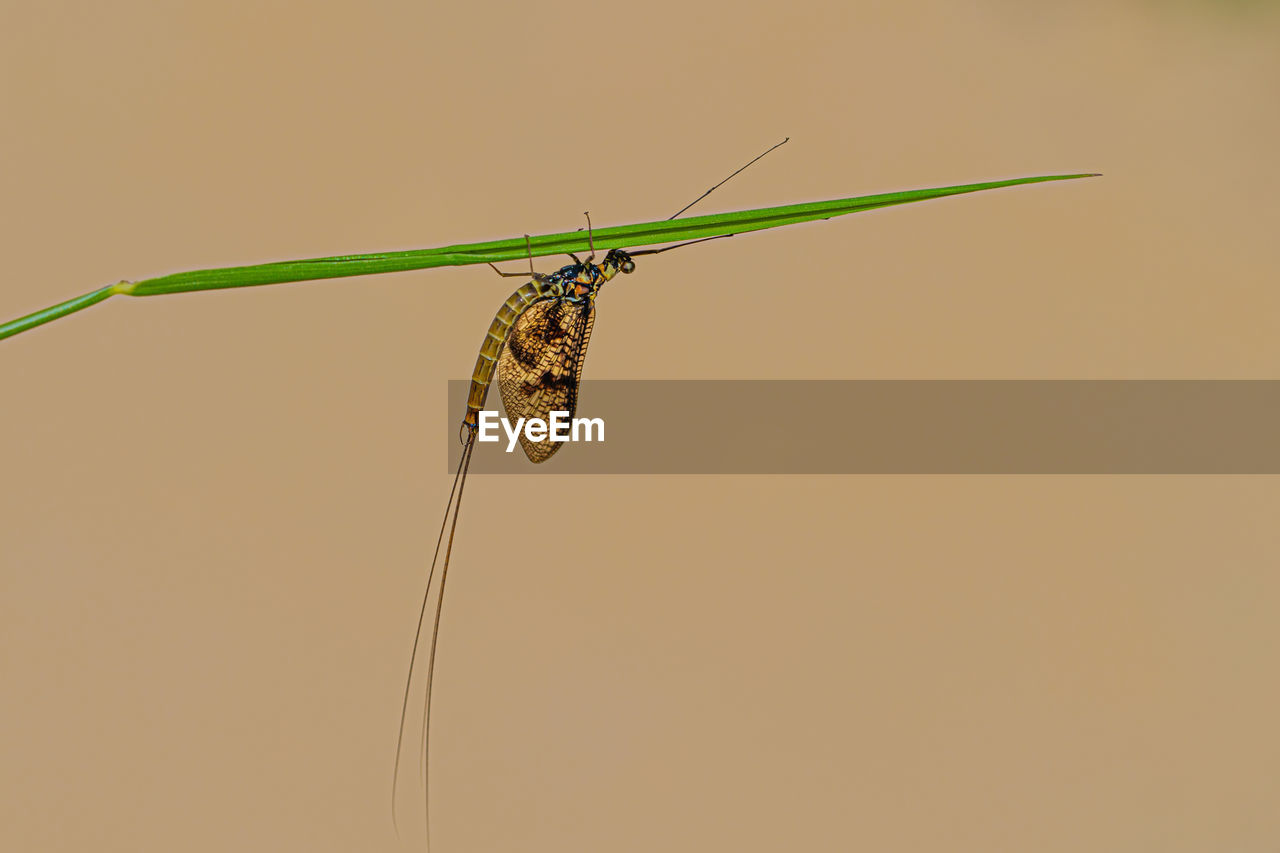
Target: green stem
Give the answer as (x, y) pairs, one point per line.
(644, 234)
(62, 309)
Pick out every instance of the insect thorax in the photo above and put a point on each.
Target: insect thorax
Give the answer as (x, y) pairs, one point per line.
(585, 280)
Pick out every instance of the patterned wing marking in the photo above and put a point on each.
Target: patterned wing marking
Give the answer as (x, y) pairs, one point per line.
(541, 365)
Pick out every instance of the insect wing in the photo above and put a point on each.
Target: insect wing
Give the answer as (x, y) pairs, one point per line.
(541, 365)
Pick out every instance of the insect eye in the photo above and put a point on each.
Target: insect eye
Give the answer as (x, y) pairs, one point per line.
(628, 266)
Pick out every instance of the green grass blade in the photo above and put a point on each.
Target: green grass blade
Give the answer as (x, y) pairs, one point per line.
(627, 236)
(62, 309)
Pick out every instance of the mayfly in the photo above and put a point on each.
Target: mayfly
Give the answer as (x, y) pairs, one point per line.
(538, 342)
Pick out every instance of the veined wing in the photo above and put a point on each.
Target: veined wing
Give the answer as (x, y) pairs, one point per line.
(541, 365)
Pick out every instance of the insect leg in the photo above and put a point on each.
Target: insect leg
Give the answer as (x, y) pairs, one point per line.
(590, 239)
(679, 245)
(717, 186)
(528, 248)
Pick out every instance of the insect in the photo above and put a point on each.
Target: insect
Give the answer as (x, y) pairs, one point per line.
(538, 343)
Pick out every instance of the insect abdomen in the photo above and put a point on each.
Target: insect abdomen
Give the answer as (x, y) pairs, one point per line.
(496, 337)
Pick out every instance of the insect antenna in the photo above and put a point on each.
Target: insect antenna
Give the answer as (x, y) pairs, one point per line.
(454, 504)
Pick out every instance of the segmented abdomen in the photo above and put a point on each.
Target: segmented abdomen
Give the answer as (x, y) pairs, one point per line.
(527, 294)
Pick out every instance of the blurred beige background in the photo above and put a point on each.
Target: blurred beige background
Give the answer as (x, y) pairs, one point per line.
(217, 508)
